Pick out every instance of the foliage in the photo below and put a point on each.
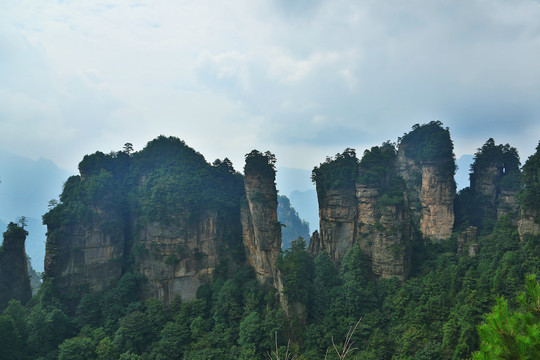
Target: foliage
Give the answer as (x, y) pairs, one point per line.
(377, 165)
(430, 143)
(513, 334)
(296, 267)
(529, 195)
(261, 164)
(339, 172)
(293, 226)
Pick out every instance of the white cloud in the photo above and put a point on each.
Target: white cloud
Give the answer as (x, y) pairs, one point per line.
(277, 75)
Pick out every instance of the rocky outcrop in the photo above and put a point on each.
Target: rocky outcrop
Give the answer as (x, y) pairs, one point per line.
(261, 231)
(178, 256)
(338, 219)
(437, 198)
(391, 238)
(528, 224)
(374, 213)
(87, 253)
(14, 280)
(466, 240)
(425, 161)
(315, 245)
(495, 181)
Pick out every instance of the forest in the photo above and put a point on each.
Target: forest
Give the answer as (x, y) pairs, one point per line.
(454, 305)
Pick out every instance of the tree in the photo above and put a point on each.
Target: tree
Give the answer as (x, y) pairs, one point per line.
(509, 334)
(128, 148)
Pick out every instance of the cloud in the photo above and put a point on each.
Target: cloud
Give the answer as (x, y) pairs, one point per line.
(278, 75)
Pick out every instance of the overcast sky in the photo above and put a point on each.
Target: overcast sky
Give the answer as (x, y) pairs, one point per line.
(301, 78)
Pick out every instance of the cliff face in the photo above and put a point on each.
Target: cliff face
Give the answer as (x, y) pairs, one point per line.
(437, 197)
(527, 224)
(427, 166)
(338, 219)
(87, 252)
(165, 214)
(373, 213)
(14, 280)
(179, 256)
(390, 251)
(260, 227)
(495, 181)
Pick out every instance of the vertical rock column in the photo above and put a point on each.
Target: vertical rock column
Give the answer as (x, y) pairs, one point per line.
(437, 198)
(14, 280)
(337, 212)
(260, 227)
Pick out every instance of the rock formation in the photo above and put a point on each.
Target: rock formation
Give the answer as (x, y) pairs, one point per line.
(466, 239)
(495, 181)
(88, 252)
(528, 224)
(260, 226)
(369, 207)
(179, 256)
(166, 214)
(426, 162)
(14, 281)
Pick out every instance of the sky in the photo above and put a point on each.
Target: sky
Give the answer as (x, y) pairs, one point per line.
(303, 79)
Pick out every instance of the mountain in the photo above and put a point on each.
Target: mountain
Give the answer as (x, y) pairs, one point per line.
(159, 254)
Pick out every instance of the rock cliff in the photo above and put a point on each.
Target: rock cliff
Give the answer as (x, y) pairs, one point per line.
(166, 214)
(495, 181)
(163, 213)
(178, 256)
(89, 252)
(367, 205)
(14, 280)
(426, 162)
(260, 227)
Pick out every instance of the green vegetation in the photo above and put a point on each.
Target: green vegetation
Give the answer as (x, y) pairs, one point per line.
(337, 173)
(529, 195)
(436, 314)
(503, 158)
(498, 167)
(260, 164)
(377, 164)
(429, 143)
(513, 334)
(293, 226)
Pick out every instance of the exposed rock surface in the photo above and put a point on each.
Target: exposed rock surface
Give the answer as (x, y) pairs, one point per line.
(89, 252)
(14, 281)
(338, 214)
(166, 214)
(260, 227)
(390, 252)
(527, 224)
(179, 256)
(437, 196)
(375, 213)
(466, 239)
(431, 190)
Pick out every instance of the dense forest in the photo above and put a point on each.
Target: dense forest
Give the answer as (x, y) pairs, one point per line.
(454, 305)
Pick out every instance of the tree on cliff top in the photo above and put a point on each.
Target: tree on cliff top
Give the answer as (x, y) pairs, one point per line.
(377, 165)
(263, 164)
(504, 158)
(430, 143)
(339, 172)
